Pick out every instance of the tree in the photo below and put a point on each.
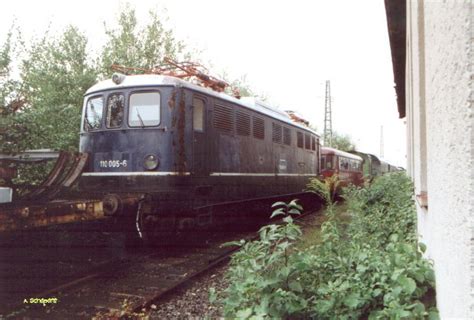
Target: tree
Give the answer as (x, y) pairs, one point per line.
(55, 75)
(141, 47)
(12, 130)
(342, 142)
(313, 127)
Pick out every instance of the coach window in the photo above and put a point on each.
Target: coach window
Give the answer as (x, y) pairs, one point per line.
(93, 113)
(341, 163)
(144, 109)
(115, 105)
(198, 114)
(329, 160)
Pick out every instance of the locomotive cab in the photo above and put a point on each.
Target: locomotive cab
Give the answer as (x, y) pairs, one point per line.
(133, 129)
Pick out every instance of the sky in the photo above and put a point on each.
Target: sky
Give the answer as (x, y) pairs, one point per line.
(285, 49)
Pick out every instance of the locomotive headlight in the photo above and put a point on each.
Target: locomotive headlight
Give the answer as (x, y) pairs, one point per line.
(151, 162)
(118, 78)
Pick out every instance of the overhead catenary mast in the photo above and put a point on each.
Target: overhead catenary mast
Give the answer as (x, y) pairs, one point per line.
(327, 116)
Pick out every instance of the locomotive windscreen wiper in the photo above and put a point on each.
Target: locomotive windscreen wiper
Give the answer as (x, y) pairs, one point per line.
(140, 118)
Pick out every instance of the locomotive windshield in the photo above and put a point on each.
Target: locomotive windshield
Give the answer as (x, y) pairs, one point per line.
(144, 109)
(93, 115)
(115, 106)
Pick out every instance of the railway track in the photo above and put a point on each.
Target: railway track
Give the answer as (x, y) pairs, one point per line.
(130, 285)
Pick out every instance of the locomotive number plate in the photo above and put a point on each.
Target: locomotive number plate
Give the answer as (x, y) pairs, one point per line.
(112, 163)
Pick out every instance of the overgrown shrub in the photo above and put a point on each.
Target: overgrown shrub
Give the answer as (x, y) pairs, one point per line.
(266, 269)
(385, 208)
(373, 269)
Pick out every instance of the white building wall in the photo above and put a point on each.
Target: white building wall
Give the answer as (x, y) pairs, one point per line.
(439, 88)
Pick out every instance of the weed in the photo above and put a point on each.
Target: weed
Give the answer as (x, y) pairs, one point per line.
(372, 269)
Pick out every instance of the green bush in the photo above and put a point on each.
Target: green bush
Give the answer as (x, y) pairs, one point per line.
(373, 269)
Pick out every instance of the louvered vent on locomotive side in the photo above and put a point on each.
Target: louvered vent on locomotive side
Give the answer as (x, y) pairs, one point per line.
(276, 132)
(307, 143)
(243, 124)
(258, 128)
(223, 119)
(286, 136)
(299, 139)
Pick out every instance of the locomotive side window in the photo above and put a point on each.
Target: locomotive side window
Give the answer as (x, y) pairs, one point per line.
(299, 139)
(307, 141)
(287, 136)
(115, 106)
(93, 114)
(243, 124)
(198, 114)
(144, 109)
(276, 132)
(258, 128)
(313, 143)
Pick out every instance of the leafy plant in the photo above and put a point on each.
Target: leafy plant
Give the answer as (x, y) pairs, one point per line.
(326, 189)
(373, 269)
(263, 282)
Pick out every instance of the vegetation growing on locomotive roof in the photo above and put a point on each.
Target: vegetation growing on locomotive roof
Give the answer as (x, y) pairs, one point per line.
(373, 268)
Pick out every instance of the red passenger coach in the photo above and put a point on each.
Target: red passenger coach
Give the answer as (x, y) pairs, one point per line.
(347, 166)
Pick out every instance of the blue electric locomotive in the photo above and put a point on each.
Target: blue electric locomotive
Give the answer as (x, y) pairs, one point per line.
(166, 151)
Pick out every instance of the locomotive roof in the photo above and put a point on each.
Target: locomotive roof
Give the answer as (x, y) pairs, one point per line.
(153, 80)
(327, 150)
